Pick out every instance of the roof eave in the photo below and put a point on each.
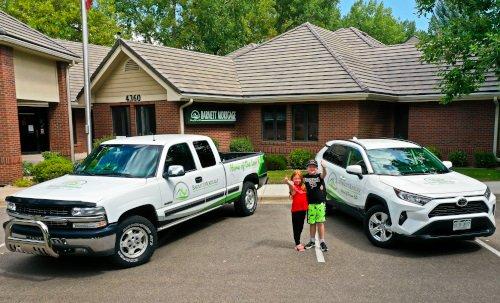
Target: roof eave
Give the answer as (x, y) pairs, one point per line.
(16, 43)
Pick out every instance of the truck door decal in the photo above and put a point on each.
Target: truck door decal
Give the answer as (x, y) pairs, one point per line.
(181, 192)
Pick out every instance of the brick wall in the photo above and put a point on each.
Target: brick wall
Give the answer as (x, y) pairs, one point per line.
(461, 125)
(59, 117)
(376, 119)
(10, 143)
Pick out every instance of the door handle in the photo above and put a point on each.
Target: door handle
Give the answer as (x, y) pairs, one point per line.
(342, 178)
(198, 179)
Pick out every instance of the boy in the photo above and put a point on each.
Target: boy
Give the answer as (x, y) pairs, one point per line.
(315, 186)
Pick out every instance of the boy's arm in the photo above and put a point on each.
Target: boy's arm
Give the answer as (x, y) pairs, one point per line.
(323, 169)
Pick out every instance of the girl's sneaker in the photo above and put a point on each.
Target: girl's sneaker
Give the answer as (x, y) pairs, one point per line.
(300, 247)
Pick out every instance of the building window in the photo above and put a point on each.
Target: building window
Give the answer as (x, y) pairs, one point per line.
(305, 122)
(274, 123)
(146, 121)
(121, 120)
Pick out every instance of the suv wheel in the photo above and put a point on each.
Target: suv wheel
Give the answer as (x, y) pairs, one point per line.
(247, 203)
(136, 240)
(377, 224)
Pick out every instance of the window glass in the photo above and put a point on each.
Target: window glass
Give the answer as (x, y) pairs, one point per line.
(205, 153)
(355, 158)
(146, 120)
(405, 161)
(274, 123)
(305, 122)
(339, 155)
(121, 120)
(180, 154)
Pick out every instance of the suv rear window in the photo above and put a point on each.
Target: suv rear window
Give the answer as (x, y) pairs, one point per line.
(337, 154)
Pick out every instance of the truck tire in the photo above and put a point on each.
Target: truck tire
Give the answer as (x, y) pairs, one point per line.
(376, 221)
(247, 203)
(136, 241)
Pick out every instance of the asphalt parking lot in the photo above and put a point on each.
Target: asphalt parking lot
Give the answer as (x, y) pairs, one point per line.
(222, 258)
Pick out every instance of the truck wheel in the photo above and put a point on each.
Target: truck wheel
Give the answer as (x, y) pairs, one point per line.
(247, 203)
(376, 225)
(136, 240)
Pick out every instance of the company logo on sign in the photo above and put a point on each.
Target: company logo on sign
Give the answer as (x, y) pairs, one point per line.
(202, 116)
(195, 115)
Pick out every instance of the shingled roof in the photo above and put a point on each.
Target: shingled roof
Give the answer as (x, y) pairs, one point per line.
(13, 31)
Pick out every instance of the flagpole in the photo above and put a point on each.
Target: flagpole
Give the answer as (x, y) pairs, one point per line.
(86, 85)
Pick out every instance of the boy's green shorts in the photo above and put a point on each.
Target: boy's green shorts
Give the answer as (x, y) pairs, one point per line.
(316, 213)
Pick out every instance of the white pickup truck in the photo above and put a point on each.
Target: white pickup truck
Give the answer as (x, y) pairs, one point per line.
(126, 191)
(399, 188)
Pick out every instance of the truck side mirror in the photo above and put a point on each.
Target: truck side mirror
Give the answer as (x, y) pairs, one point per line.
(174, 171)
(355, 170)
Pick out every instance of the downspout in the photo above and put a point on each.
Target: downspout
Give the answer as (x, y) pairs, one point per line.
(181, 113)
(495, 134)
(70, 115)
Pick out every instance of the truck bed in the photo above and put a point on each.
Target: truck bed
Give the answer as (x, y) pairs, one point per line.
(235, 156)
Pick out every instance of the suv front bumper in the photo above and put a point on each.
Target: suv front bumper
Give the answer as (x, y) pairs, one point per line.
(34, 237)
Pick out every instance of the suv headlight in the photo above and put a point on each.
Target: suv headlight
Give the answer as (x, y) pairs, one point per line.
(88, 211)
(11, 206)
(487, 193)
(413, 198)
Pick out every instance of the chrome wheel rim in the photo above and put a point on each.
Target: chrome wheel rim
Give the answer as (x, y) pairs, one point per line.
(250, 198)
(379, 226)
(133, 242)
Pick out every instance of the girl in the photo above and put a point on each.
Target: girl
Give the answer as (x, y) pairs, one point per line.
(299, 206)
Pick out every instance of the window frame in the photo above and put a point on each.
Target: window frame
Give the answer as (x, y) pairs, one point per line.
(211, 153)
(274, 109)
(305, 108)
(138, 108)
(165, 167)
(127, 111)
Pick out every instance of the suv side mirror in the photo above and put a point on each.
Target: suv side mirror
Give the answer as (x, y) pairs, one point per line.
(174, 171)
(448, 164)
(355, 170)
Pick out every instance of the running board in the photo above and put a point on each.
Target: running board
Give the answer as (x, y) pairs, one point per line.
(187, 218)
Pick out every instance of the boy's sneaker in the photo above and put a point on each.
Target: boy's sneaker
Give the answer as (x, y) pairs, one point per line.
(323, 246)
(310, 245)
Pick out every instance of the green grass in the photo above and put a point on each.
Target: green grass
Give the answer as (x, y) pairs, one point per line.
(482, 174)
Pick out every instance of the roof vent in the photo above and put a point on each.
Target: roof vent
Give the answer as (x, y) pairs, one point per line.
(130, 65)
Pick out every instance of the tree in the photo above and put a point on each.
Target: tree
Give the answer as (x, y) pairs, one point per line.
(62, 19)
(377, 21)
(464, 38)
(291, 13)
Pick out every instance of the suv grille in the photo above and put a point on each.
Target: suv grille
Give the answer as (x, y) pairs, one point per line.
(451, 209)
(63, 211)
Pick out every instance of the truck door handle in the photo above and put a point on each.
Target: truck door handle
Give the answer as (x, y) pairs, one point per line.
(198, 179)
(342, 178)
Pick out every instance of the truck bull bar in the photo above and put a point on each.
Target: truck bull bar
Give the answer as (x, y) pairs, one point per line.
(26, 245)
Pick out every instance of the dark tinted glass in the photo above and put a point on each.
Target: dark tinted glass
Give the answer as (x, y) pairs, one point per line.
(274, 123)
(305, 122)
(205, 153)
(121, 120)
(180, 154)
(146, 120)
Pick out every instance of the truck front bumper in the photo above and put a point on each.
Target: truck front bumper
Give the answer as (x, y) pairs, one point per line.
(34, 237)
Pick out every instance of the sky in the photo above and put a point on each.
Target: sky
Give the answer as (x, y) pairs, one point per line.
(402, 9)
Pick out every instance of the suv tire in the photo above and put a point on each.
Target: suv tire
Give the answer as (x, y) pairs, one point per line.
(247, 203)
(136, 241)
(375, 224)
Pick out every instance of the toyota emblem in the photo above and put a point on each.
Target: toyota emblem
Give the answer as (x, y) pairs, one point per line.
(462, 202)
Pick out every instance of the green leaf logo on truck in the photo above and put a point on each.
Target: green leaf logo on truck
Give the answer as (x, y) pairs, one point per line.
(181, 191)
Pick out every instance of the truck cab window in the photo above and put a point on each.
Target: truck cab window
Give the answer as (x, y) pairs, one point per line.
(205, 153)
(180, 154)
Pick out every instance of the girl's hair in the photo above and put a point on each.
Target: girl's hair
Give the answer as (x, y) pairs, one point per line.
(299, 174)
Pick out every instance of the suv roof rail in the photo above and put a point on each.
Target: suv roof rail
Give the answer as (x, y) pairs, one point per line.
(403, 140)
(355, 141)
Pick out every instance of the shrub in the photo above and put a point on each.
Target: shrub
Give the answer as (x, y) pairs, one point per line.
(485, 159)
(28, 168)
(458, 158)
(242, 144)
(98, 141)
(298, 158)
(23, 182)
(52, 168)
(434, 150)
(50, 154)
(275, 162)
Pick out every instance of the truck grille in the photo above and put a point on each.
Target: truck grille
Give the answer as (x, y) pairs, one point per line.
(62, 211)
(452, 209)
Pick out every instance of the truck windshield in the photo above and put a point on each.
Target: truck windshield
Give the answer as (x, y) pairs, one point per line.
(132, 161)
(405, 161)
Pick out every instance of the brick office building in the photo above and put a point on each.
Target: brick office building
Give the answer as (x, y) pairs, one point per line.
(300, 89)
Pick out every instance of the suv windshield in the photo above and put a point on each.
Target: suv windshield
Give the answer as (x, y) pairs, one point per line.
(133, 161)
(405, 161)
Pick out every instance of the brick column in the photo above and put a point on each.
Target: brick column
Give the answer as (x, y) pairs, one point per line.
(10, 142)
(58, 116)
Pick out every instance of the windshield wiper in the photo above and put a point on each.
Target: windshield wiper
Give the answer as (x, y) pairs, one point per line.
(125, 175)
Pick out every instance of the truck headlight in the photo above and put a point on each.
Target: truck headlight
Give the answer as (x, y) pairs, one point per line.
(11, 206)
(413, 198)
(487, 193)
(88, 211)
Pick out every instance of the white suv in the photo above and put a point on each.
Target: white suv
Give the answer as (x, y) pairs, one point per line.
(400, 188)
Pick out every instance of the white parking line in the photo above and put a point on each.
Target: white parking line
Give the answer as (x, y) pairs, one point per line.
(319, 253)
(496, 252)
(2, 245)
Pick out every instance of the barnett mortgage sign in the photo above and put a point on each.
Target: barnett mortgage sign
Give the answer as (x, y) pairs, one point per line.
(203, 115)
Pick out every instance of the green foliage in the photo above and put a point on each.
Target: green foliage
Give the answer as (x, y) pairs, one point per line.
(298, 158)
(52, 168)
(465, 36)
(23, 182)
(378, 21)
(275, 162)
(50, 154)
(292, 13)
(458, 158)
(485, 159)
(435, 151)
(28, 168)
(62, 19)
(242, 144)
(98, 141)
